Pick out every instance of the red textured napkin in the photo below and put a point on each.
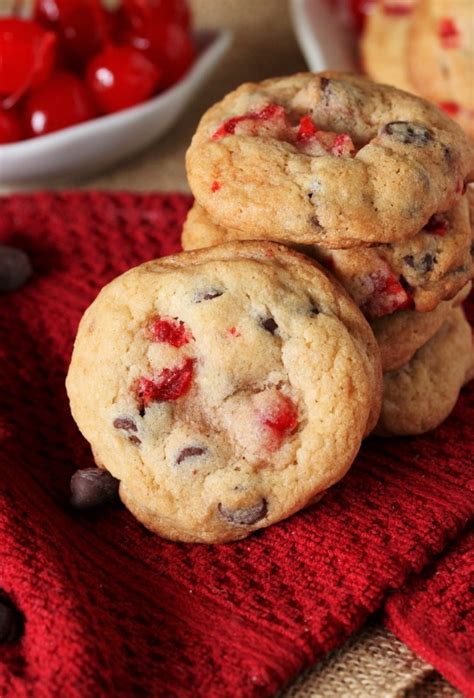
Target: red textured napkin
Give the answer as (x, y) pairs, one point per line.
(434, 614)
(111, 609)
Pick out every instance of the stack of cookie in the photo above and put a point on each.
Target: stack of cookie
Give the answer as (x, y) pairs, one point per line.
(371, 182)
(226, 388)
(426, 47)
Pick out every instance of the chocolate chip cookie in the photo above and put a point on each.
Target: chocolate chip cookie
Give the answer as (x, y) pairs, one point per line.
(441, 51)
(328, 159)
(419, 396)
(420, 273)
(401, 334)
(225, 388)
(384, 42)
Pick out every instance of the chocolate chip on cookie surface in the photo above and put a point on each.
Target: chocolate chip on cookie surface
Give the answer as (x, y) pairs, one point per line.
(246, 377)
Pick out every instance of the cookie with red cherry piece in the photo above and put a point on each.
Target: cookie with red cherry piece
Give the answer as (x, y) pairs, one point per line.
(330, 159)
(225, 388)
(420, 273)
(417, 274)
(441, 53)
(401, 334)
(422, 394)
(383, 44)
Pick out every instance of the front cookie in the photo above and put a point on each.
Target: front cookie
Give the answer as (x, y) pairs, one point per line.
(224, 388)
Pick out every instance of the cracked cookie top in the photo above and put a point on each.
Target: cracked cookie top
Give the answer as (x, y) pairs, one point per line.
(225, 388)
(329, 158)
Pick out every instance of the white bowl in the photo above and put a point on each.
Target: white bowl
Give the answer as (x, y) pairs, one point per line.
(325, 36)
(100, 142)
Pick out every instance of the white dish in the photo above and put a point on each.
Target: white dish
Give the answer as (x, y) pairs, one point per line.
(100, 142)
(324, 35)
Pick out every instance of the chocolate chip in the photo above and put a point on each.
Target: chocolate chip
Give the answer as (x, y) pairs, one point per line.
(92, 487)
(189, 452)
(314, 220)
(270, 325)
(324, 82)
(208, 295)
(134, 440)
(247, 516)
(314, 310)
(11, 621)
(125, 423)
(422, 264)
(15, 268)
(409, 133)
(448, 153)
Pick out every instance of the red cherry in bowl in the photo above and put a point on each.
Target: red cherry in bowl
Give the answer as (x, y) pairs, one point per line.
(120, 77)
(140, 12)
(27, 54)
(10, 127)
(168, 45)
(62, 101)
(81, 25)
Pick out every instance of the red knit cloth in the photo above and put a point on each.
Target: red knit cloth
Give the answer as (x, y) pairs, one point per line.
(434, 614)
(113, 610)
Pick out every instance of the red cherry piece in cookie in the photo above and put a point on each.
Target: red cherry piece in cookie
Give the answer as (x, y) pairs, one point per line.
(449, 33)
(233, 332)
(343, 145)
(82, 26)
(62, 101)
(120, 77)
(307, 129)
(270, 112)
(388, 295)
(451, 108)
(27, 54)
(10, 127)
(170, 384)
(169, 330)
(437, 225)
(215, 186)
(281, 418)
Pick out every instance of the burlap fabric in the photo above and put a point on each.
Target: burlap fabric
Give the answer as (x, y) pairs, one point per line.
(373, 663)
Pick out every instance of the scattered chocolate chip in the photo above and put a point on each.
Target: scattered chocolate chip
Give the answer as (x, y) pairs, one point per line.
(409, 133)
(314, 220)
(141, 411)
(208, 295)
(125, 423)
(310, 195)
(134, 440)
(314, 310)
(270, 325)
(92, 487)
(15, 268)
(422, 264)
(189, 452)
(247, 516)
(11, 621)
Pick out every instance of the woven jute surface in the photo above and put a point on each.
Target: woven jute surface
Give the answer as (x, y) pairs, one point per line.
(373, 663)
